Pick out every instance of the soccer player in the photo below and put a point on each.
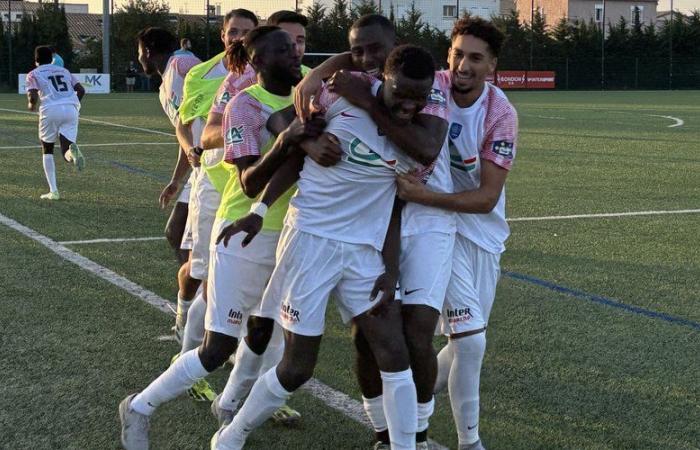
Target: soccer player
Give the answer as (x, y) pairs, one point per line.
(279, 68)
(335, 241)
(267, 353)
(60, 94)
(201, 84)
(427, 234)
(483, 132)
(156, 48)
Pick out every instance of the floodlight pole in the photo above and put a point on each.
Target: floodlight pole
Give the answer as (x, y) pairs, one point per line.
(105, 35)
(532, 31)
(206, 28)
(9, 43)
(670, 50)
(602, 52)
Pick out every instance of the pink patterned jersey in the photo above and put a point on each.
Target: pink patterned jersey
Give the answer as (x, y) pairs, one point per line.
(170, 93)
(55, 86)
(232, 85)
(484, 131)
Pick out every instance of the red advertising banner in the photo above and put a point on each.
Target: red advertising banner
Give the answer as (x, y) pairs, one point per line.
(522, 79)
(540, 80)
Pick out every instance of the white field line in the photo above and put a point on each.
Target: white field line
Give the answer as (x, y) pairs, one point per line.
(107, 240)
(348, 406)
(101, 122)
(588, 216)
(678, 122)
(109, 144)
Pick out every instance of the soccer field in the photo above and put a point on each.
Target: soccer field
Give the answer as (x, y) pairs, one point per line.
(594, 340)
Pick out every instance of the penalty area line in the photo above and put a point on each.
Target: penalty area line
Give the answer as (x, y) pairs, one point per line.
(332, 398)
(108, 144)
(110, 240)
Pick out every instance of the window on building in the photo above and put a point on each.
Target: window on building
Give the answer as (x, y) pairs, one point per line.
(18, 17)
(637, 14)
(449, 10)
(598, 13)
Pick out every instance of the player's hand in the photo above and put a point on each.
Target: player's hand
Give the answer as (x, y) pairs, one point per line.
(167, 194)
(355, 90)
(250, 224)
(325, 150)
(297, 131)
(193, 158)
(386, 284)
(306, 95)
(409, 188)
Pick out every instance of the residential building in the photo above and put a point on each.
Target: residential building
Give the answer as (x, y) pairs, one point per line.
(553, 11)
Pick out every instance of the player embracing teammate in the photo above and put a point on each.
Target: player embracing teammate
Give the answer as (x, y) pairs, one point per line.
(442, 142)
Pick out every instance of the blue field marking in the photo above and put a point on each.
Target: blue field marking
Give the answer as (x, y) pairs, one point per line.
(139, 171)
(602, 300)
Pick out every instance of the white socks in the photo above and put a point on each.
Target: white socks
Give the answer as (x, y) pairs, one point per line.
(444, 358)
(194, 327)
(464, 385)
(374, 407)
(425, 410)
(246, 371)
(400, 407)
(50, 172)
(181, 375)
(182, 307)
(265, 398)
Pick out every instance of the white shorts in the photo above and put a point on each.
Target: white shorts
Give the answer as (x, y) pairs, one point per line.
(204, 201)
(184, 196)
(309, 270)
(472, 287)
(58, 120)
(425, 267)
(237, 280)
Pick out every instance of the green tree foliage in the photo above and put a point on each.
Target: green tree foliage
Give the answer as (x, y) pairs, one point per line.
(127, 21)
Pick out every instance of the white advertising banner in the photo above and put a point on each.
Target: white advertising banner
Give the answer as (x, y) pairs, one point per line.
(94, 83)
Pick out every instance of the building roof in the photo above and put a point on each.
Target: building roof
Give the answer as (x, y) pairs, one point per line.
(83, 27)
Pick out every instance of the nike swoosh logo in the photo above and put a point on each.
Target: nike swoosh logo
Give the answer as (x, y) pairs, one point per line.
(344, 114)
(407, 292)
(471, 428)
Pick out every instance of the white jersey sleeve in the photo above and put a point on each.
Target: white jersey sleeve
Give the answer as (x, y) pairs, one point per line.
(170, 93)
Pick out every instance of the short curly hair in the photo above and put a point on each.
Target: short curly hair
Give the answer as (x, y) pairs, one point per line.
(482, 29)
(411, 61)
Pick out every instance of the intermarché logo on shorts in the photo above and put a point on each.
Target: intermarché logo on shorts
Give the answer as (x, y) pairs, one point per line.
(289, 314)
(459, 315)
(235, 317)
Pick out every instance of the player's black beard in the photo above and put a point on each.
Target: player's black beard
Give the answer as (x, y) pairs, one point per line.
(462, 90)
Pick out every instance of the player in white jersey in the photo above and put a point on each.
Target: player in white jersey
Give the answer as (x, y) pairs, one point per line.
(60, 94)
(427, 234)
(483, 131)
(335, 241)
(201, 84)
(156, 48)
(261, 348)
(278, 68)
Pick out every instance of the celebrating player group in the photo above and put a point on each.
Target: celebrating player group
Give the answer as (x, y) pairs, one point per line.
(374, 179)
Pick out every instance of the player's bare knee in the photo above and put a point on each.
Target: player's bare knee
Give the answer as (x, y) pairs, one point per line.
(293, 376)
(259, 333)
(216, 349)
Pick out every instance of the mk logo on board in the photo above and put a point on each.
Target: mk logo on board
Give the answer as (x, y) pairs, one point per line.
(290, 314)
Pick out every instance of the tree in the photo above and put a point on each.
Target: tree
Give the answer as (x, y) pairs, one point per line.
(52, 29)
(363, 8)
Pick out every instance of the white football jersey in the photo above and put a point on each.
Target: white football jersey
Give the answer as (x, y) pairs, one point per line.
(55, 86)
(417, 218)
(170, 93)
(351, 201)
(486, 130)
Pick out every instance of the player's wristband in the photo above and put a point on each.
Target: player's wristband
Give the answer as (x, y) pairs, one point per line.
(197, 150)
(259, 208)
